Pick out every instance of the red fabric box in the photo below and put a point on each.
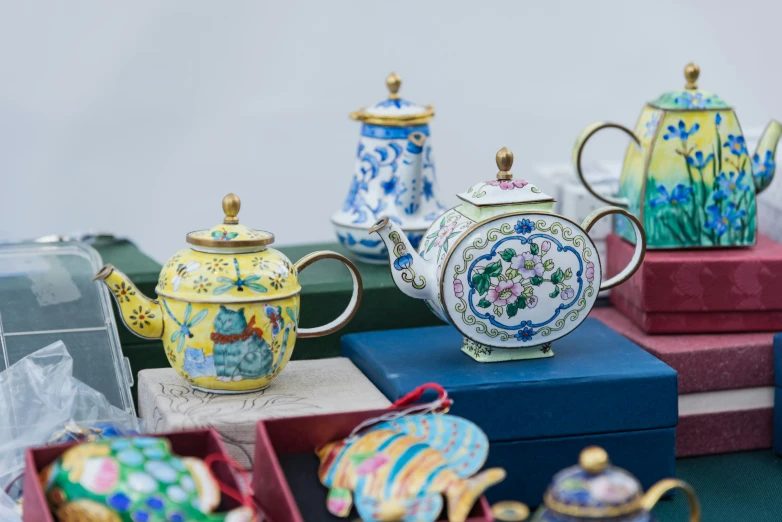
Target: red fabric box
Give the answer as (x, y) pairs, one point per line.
(280, 441)
(712, 364)
(192, 443)
(701, 291)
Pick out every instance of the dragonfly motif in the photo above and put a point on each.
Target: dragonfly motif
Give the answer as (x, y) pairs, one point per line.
(240, 283)
(185, 325)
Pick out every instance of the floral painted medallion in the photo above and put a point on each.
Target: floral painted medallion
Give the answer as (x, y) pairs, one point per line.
(521, 281)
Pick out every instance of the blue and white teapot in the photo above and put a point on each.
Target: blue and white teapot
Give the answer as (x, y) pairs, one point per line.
(394, 176)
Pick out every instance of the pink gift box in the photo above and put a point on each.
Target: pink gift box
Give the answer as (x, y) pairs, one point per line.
(701, 290)
(281, 441)
(724, 432)
(191, 443)
(704, 362)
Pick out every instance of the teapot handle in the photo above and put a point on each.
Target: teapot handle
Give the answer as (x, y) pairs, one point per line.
(590, 131)
(656, 492)
(355, 299)
(640, 243)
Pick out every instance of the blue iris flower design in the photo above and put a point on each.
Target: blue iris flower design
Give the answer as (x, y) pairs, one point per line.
(722, 221)
(679, 196)
(728, 184)
(525, 226)
(681, 131)
(403, 262)
(736, 144)
(651, 125)
(765, 169)
(699, 161)
(525, 334)
(718, 119)
(692, 101)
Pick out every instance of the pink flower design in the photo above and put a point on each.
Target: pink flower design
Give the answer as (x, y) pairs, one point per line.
(458, 288)
(528, 265)
(532, 301)
(545, 246)
(505, 292)
(590, 271)
(508, 184)
(444, 232)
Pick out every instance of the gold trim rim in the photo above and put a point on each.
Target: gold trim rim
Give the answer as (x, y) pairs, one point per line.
(394, 121)
(234, 301)
(228, 245)
(595, 512)
(550, 200)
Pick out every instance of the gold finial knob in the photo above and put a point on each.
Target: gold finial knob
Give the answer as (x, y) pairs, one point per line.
(593, 460)
(691, 73)
(504, 163)
(231, 206)
(393, 82)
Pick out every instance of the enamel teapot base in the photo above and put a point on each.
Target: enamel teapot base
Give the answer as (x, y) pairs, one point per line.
(485, 354)
(228, 392)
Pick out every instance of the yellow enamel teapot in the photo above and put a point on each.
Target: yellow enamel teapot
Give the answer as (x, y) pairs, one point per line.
(228, 312)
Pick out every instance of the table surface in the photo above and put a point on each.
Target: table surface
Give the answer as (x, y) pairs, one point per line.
(734, 487)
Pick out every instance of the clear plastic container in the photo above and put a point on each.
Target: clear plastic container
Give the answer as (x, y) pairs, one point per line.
(47, 294)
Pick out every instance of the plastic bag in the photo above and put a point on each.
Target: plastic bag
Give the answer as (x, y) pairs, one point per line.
(39, 397)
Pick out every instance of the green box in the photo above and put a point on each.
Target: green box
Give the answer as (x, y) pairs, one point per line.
(326, 291)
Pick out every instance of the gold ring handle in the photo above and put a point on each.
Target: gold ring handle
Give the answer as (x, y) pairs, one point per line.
(590, 131)
(355, 299)
(655, 493)
(640, 243)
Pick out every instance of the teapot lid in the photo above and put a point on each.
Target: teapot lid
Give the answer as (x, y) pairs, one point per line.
(230, 237)
(504, 190)
(690, 98)
(594, 488)
(395, 111)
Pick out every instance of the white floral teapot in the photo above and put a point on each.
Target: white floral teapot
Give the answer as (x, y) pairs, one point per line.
(394, 175)
(506, 271)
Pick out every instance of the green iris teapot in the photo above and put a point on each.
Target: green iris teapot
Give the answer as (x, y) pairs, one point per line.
(687, 175)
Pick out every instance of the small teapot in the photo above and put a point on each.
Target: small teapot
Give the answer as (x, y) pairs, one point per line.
(507, 272)
(596, 490)
(687, 174)
(228, 312)
(394, 175)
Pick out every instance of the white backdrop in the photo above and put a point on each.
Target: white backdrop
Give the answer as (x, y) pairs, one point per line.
(136, 118)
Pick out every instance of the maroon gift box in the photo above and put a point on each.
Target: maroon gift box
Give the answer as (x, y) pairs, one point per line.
(704, 362)
(277, 439)
(192, 443)
(724, 432)
(703, 290)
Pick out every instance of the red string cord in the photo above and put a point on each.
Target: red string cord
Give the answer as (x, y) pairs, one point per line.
(244, 499)
(418, 392)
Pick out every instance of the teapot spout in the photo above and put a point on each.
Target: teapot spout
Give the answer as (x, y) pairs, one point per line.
(412, 274)
(763, 165)
(410, 171)
(143, 316)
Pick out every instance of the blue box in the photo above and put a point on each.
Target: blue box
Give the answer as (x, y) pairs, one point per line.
(599, 388)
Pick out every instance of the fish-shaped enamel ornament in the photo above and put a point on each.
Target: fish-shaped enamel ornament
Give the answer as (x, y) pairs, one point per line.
(399, 470)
